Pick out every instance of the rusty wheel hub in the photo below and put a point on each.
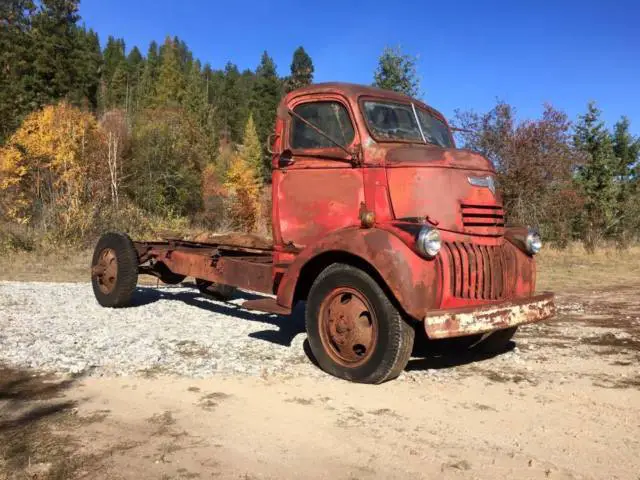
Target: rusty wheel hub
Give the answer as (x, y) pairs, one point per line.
(106, 270)
(348, 326)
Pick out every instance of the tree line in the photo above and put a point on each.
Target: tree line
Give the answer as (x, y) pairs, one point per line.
(116, 137)
(163, 134)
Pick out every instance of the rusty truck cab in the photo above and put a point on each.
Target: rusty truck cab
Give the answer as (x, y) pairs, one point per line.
(392, 179)
(381, 225)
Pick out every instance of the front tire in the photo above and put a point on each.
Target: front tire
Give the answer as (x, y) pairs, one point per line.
(354, 330)
(114, 270)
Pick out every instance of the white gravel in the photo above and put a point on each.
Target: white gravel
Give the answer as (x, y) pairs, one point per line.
(171, 330)
(60, 327)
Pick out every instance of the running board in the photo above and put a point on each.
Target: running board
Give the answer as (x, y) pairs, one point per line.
(268, 305)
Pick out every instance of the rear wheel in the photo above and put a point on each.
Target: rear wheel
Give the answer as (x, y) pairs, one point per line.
(217, 291)
(354, 330)
(114, 270)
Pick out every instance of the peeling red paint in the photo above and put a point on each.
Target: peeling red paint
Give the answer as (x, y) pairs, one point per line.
(474, 320)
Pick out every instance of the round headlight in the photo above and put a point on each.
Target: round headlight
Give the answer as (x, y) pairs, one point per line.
(533, 242)
(429, 242)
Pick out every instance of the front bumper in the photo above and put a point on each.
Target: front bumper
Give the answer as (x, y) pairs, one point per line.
(459, 322)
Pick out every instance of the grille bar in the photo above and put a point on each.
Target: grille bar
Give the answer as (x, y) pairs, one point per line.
(483, 219)
(480, 272)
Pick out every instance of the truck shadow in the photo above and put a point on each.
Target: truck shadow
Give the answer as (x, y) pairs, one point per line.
(439, 359)
(27, 398)
(288, 327)
(294, 325)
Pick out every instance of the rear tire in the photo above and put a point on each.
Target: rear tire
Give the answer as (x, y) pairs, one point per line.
(114, 270)
(354, 330)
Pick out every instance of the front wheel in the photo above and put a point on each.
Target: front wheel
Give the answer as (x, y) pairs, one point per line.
(354, 330)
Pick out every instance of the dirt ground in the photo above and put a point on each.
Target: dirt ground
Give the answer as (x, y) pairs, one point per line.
(567, 406)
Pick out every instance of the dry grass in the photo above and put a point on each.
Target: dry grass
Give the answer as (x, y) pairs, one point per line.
(573, 269)
(568, 270)
(64, 265)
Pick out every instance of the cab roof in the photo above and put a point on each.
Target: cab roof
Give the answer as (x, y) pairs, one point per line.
(355, 91)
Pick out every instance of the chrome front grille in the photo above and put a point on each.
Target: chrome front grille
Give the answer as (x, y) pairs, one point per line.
(481, 272)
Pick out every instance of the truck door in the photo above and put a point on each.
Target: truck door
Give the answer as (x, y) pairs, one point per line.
(316, 187)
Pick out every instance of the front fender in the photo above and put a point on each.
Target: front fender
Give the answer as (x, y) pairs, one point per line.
(415, 282)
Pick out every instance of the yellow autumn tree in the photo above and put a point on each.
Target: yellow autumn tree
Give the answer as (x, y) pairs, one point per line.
(252, 149)
(51, 168)
(244, 181)
(244, 189)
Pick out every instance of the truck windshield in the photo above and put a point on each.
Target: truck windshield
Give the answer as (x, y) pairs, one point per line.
(391, 122)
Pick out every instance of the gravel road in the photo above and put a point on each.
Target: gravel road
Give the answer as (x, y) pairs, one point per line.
(563, 403)
(174, 330)
(59, 327)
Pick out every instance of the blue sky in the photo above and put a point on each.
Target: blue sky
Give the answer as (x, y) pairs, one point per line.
(565, 52)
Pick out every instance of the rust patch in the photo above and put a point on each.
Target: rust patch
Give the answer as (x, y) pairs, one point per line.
(469, 321)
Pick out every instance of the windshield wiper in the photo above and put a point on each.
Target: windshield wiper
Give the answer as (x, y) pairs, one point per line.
(319, 131)
(415, 114)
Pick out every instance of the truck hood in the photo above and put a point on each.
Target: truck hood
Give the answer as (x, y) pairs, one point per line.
(454, 188)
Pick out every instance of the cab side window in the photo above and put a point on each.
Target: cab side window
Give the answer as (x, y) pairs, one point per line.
(330, 117)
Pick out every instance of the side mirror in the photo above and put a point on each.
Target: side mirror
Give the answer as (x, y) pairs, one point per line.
(270, 140)
(286, 159)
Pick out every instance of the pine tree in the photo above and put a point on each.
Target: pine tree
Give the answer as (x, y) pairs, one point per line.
(227, 99)
(597, 177)
(185, 57)
(16, 98)
(301, 70)
(195, 100)
(266, 96)
(252, 148)
(207, 77)
(170, 87)
(626, 149)
(55, 69)
(118, 89)
(115, 76)
(135, 67)
(89, 63)
(135, 62)
(196, 103)
(113, 55)
(147, 89)
(397, 71)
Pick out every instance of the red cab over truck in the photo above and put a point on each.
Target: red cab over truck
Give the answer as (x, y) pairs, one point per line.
(388, 232)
